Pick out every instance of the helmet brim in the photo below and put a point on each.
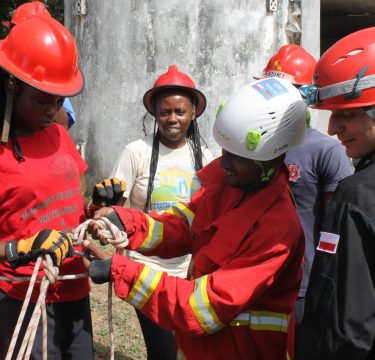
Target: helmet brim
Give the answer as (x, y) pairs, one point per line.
(201, 99)
(68, 88)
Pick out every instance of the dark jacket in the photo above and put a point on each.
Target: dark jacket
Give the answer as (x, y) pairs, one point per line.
(339, 320)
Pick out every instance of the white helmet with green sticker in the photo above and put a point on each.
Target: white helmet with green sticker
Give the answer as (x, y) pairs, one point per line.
(262, 120)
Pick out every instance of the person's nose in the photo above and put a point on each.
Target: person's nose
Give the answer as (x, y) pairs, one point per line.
(173, 118)
(52, 109)
(334, 125)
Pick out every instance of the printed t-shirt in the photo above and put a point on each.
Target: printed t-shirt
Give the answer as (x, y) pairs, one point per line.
(42, 192)
(175, 180)
(314, 169)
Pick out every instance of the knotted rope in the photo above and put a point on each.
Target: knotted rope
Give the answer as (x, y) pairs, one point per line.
(119, 240)
(113, 236)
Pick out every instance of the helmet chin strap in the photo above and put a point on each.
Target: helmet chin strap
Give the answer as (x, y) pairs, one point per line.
(8, 111)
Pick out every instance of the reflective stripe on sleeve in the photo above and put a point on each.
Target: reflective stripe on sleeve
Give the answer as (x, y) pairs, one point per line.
(154, 236)
(144, 287)
(202, 308)
(181, 210)
(263, 320)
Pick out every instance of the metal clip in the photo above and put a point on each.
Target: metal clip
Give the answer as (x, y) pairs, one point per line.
(310, 94)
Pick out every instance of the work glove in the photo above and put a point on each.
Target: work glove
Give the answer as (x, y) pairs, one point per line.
(108, 192)
(55, 243)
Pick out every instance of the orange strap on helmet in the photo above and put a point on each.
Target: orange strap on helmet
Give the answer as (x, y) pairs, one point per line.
(8, 112)
(175, 79)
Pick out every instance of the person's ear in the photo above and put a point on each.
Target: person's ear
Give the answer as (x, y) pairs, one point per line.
(193, 117)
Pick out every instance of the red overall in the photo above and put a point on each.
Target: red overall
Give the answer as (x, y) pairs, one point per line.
(245, 274)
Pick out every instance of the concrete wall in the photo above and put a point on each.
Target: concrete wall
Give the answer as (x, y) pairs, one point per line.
(310, 40)
(124, 45)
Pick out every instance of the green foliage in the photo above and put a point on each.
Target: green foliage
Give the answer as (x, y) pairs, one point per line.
(55, 7)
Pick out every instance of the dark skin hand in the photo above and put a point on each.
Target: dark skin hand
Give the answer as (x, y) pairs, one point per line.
(92, 249)
(93, 230)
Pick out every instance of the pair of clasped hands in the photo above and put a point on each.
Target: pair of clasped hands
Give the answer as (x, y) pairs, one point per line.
(58, 244)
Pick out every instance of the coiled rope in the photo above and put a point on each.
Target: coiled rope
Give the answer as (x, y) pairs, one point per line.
(113, 236)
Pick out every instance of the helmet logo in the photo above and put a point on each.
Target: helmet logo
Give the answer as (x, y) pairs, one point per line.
(270, 88)
(253, 139)
(278, 65)
(281, 148)
(224, 137)
(294, 172)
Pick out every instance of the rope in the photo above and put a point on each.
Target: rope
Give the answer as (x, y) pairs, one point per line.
(119, 240)
(51, 274)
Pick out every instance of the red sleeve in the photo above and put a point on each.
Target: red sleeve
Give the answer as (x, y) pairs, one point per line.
(210, 302)
(166, 235)
(72, 149)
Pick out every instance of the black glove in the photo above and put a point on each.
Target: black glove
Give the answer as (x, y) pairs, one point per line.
(58, 244)
(108, 192)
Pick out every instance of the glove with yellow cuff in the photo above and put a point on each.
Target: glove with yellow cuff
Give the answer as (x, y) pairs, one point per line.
(55, 243)
(108, 192)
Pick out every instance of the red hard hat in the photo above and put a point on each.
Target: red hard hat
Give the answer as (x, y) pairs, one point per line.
(292, 63)
(174, 79)
(28, 10)
(349, 59)
(42, 53)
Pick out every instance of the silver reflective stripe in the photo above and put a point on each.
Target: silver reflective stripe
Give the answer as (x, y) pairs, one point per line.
(346, 87)
(202, 308)
(263, 320)
(144, 287)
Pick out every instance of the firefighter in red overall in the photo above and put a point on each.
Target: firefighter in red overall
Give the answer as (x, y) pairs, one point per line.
(242, 230)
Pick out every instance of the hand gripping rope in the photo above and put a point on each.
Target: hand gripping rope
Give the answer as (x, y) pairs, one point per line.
(113, 236)
(119, 240)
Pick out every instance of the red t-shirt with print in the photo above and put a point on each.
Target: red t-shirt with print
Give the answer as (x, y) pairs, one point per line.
(42, 192)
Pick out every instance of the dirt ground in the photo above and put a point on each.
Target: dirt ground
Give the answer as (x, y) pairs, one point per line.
(129, 344)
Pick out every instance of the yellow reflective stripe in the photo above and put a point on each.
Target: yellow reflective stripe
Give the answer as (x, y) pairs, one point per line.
(287, 356)
(175, 212)
(263, 320)
(144, 287)
(180, 355)
(155, 234)
(202, 308)
(185, 211)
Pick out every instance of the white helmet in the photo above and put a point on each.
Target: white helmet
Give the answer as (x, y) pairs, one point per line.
(262, 120)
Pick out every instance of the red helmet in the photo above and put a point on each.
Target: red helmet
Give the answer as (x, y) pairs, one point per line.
(28, 10)
(174, 79)
(292, 63)
(345, 74)
(42, 53)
